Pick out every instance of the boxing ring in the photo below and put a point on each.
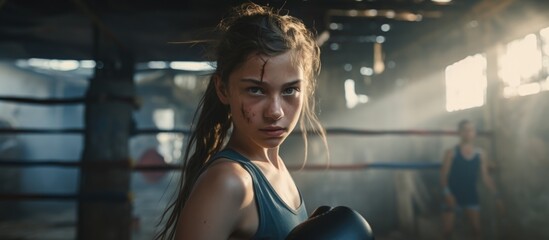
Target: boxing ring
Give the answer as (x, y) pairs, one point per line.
(129, 164)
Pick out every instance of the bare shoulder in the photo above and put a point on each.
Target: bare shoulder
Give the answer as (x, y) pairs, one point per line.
(225, 178)
(214, 207)
(449, 153)
(226, 169)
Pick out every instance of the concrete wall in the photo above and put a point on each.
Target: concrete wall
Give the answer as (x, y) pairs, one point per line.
(522, 147)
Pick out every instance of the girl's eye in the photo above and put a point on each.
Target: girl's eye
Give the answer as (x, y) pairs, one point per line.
(255, 90)
(290, 91)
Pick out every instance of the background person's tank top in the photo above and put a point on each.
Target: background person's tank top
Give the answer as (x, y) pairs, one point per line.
(276, 218)
(463, 176)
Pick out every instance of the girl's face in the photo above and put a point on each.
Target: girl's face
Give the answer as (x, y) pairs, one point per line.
(265, 96)
(468, 132)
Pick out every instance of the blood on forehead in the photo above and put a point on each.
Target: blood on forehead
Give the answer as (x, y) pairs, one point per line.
(263, 69)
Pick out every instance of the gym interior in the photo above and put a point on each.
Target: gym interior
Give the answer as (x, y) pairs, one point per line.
(97, 98)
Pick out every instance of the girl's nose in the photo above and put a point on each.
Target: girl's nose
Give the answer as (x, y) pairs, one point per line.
(274, 110)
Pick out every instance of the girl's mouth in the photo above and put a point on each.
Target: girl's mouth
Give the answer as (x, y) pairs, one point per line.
(273, 131)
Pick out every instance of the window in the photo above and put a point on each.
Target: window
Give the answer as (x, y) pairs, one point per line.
(466, 83)
(520, 66)
(544, 34)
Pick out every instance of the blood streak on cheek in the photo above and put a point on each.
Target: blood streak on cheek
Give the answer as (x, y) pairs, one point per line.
(246, 114)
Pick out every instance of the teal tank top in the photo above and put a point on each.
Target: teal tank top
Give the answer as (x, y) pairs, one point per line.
(276, 218)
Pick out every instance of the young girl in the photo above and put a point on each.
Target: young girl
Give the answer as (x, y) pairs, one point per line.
(459, 174)
(239, 188)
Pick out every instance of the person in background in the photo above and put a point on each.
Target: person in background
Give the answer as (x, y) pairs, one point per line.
(460, 170)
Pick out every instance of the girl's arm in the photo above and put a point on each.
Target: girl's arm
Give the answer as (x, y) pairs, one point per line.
(215, 205)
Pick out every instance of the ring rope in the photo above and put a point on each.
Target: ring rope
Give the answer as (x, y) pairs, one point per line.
(88, 197)
(128, 164)
(329, 131)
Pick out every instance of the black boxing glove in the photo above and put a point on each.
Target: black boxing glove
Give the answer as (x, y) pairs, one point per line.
(329, 224)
